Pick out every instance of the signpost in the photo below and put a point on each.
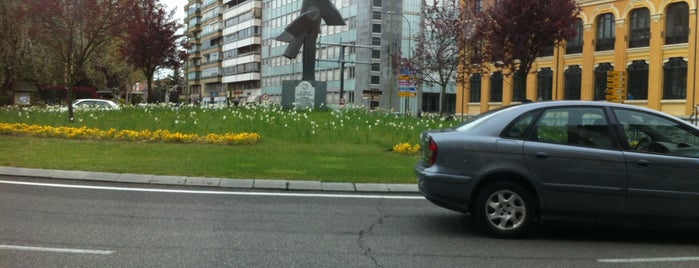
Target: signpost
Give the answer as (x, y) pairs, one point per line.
(406, 86)
(616, 86)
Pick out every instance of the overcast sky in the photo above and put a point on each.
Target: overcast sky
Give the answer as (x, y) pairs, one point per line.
(179, 4)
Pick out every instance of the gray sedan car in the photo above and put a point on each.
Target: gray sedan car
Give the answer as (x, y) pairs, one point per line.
(521, 165)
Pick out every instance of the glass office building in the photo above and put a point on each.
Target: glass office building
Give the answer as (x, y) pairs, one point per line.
(373, 32)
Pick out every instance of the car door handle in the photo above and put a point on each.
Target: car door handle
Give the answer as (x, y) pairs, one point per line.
(642, 162)
(541, 155)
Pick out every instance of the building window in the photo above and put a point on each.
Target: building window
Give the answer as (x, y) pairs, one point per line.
(377, 3)
(375, 79)
(638, 80)
(573, 81)
(376, 41)
(575, 45)
(675, 79)
(496, 87)
(677, 23)
(606, 34)
(498, 52)
(476, 52)
(601, 80)
(430, 102)
(376, 28)
(640, 28)
(545, 84)
(475, 84)
(376, 54)
(548, 51)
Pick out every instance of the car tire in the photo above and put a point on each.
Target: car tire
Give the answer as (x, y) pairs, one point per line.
(505, 209)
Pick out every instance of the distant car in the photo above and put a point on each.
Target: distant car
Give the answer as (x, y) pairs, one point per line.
(603, 162)
(99, 104)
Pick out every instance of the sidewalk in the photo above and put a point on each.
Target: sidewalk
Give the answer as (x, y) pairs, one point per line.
(210, 182)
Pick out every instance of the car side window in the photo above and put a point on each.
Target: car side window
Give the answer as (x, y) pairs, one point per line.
(578, 126)
(651, 133)
(517, 130)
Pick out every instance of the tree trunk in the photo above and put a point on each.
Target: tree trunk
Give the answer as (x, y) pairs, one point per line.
(151, 98)
(442, 99)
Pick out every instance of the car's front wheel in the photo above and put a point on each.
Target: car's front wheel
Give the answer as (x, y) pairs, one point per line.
(505, 209)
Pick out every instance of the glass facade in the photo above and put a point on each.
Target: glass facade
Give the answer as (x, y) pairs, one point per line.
(365, 43)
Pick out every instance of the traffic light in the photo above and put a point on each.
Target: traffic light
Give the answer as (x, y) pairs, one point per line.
(616, 86)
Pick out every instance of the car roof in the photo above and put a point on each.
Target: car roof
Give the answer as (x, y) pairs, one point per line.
(497, 119)
(568, 103)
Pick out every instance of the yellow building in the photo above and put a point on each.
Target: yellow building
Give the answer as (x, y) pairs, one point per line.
(654, 43)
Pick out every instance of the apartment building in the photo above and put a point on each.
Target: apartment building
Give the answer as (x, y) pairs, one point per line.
(224, 60)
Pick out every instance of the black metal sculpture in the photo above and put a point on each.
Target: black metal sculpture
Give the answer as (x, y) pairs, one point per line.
(304, 31)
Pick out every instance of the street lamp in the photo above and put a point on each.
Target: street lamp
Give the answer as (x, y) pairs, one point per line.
(410, 32)
(410, 47)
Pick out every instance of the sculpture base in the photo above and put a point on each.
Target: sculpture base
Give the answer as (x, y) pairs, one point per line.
(302, 95)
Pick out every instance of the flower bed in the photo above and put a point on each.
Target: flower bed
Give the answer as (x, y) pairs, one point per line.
(85, 133)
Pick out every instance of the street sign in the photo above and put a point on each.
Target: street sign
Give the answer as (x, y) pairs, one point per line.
(613, 92)
(616, 86)
(616, 98)
(405, 77)
(407, 92)
(402, 83)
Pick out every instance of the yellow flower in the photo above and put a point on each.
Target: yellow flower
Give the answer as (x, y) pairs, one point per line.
(125, 135)
(406, 148)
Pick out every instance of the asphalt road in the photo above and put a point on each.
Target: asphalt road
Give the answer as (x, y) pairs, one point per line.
(134, 225)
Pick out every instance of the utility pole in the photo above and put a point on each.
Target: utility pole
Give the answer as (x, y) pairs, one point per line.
(341, 60)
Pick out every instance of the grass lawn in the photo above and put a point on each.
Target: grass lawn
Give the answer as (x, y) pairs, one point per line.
(345, 146)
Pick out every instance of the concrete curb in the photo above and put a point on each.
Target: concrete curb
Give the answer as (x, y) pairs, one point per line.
(209, 182)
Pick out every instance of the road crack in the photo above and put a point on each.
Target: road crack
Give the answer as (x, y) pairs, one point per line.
(364, 233)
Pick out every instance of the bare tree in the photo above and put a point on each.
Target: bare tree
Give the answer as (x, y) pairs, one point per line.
(76, 31)
(435, 60)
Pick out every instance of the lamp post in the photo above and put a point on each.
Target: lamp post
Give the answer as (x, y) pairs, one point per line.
(410, 32)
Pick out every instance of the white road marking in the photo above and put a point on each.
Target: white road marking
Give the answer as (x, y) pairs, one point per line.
(59, 250)
(360, 196)
(650, 260)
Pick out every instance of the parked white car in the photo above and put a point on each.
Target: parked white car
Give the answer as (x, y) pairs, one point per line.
(94, 104)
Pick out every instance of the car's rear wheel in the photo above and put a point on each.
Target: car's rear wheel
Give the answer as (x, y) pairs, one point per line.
(505, 209)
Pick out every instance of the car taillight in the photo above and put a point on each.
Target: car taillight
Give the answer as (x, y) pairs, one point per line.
(431, 154)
